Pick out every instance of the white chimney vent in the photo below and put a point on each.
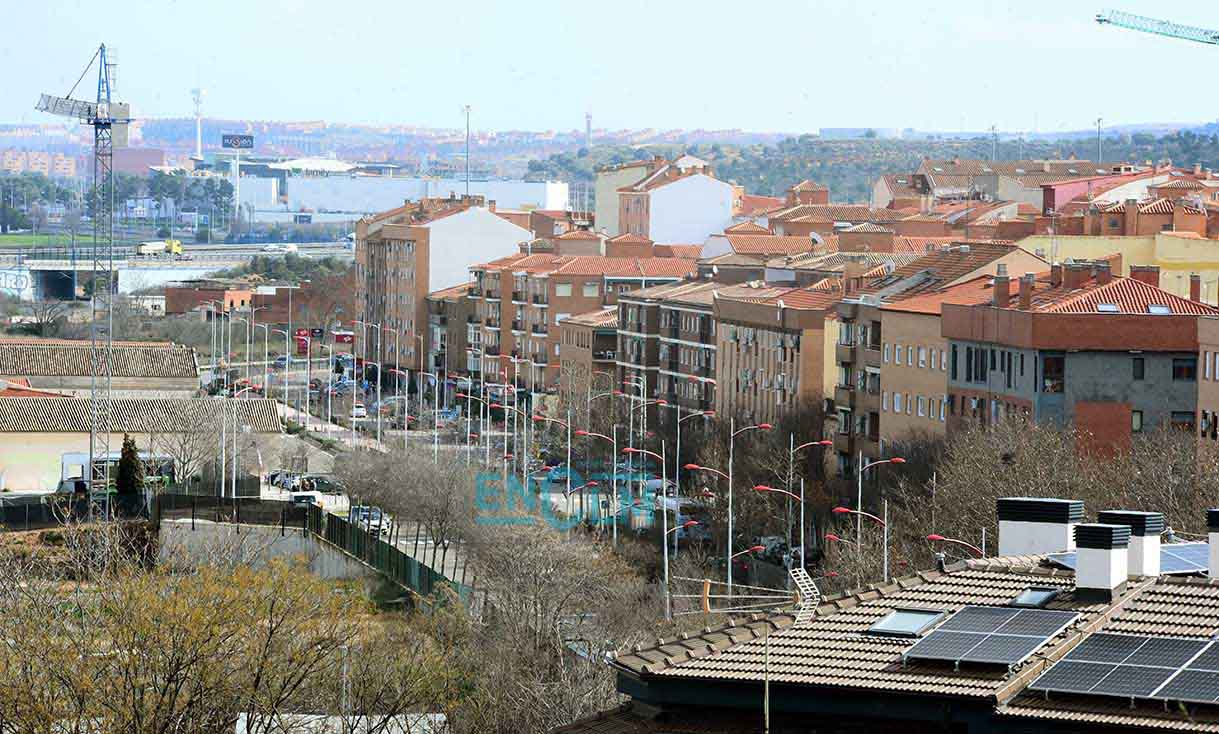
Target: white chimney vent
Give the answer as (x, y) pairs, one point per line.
(1145, 531)
(1036, 525)
(1212, 537)
(1101, 562)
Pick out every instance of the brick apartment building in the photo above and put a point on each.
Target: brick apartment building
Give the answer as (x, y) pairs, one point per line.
(521, 300)
(452, 331)
(1077, 346)
(588, 347)
(859, 395)
(403, 254)
(52, 165)
(771, 348)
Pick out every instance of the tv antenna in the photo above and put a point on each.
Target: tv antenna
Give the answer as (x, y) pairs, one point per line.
(711, 599)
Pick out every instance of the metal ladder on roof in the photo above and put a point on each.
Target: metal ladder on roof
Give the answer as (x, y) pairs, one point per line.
(810, 595)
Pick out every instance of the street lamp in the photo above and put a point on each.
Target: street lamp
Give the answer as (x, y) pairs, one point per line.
(613, 471)
(664, 514)
(733, 433)
(791, 471)
(677, 469)
(750, 549)
(831, 537)
(566, 424)
(936, 537)
(859, 503)
(525, 454)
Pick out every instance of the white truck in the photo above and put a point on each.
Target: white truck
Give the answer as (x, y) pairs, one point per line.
(159, 247)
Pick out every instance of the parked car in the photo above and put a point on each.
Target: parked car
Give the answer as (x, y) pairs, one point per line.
(369, 517)
(305, 499)
(280, 363)
(359, 411)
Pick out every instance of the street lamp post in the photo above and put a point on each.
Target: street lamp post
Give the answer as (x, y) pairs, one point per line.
(664, 514)
(733, 433)
(613, 439)
(266, 358)
(677, 467)
(859, 506)
(791, 470)
(936, 537)
(435, 414)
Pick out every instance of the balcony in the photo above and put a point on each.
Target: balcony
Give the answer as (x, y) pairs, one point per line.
(491, 350)
(472, 319)
(539, 299)
(539, 329)
(844, 396)
(605, 356)
(518, 296)
(518, 325)
(540, 359)
(844, 353)
(491, 322)
(491, 294)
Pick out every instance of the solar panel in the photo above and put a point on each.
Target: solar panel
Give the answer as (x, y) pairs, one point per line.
(999, 635)
(1137, 666)
(1174, 558)
(1132, 680)
(1072, 677)
(1191, 685)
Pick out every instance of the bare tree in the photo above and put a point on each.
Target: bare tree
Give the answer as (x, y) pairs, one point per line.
(49, 316)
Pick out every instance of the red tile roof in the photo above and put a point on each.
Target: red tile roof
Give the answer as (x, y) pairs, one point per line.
(20, 388)
(690, 252)
(977, 290)
(769, 244)
(632, 238)
(456, 291)
(869, 227)
(809, 185)
(812, 298)
(1129, 296)
(753, 204)
(605, 318)
(746, 228)
(938, 269)
(836, 213)
(578, 234)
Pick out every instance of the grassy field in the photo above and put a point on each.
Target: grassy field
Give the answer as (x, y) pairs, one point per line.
(26, 239)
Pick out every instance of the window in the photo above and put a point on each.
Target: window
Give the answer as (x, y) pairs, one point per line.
(1182, 420)
(886, 353)
(1107, 308)
(590, 290)
(953, 365)
(909, 404)
(910, 356)
(1053, 374)
(1136, 368)
(906, 622)
(1158, 309)
(884, 402)
(943, 402)
(562, 290)
(922, 357)
(1022, 364)
(922, 406)
(943, 360)
(1035, 597)
(1136, 421)
(1185, 369)
(897, 402)
(897, 353)
(1206, 362)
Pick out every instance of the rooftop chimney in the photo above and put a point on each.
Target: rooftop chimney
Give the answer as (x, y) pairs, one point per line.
(1036, 526)
(1100, 560)
(1212, 537)
(1056, 274)
(1149, 274)
(1026, 291)
(1195, 287)
(1075, 276)
(1103, 273)
(1001, 292)
(1145, 530)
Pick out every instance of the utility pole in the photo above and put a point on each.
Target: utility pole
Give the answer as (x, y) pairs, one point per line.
(1099, 154)
(467, 111)
(994, 143)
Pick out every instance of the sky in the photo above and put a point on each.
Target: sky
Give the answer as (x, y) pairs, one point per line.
(789, 66)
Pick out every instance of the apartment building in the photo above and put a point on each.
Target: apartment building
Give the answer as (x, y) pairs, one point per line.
(588, 348)
(1076, 346)
(452, 331)
(521, 299)
(609, 179)
(772, 345)
(859, 394)
(403, 254)
(679, 203)
(53, 165)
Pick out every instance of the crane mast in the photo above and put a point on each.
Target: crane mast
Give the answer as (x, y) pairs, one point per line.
(109, 120)
(1158, 27)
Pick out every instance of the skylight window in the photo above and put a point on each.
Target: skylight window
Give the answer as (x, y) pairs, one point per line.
(1159, 309)
(1035, 597)
(1107, 308)
(1019, 170)
(937, 169)
(906, 622)
(1072, 171)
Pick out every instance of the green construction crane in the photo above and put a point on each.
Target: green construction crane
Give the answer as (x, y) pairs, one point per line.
(1158, 27)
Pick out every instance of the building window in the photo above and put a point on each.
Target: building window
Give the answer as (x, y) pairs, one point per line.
(953, 364)
(922, 357)
(1136, 368)
(897, 402)
(1185, 369)
(884, 402)
(590, 290)
(910, 356)
(1182, 420)
(943, 360)
(897, 354)
(562, 290)
(909, 404)
(886, 353)
(1053, 374)
(922, 406)
(1136, 421)
(943, 402)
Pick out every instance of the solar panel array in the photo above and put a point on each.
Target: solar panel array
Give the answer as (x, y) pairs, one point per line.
(1134, 666)
(1000, 635)
(1174, 558)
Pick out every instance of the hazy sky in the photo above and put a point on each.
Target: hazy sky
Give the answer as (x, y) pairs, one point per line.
(794, 65)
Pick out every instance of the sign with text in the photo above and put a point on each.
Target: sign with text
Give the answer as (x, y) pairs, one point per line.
(237, 142)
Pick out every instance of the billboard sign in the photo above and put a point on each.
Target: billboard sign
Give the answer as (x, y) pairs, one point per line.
(237, 142)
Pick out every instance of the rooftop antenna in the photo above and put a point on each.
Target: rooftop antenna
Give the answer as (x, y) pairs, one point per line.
(1099, 156)
(109, 120)
(588, 130)
(744, 599)
(994, 143)
(466, 109)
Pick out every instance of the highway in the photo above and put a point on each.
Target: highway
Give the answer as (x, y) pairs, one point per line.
(216, 251)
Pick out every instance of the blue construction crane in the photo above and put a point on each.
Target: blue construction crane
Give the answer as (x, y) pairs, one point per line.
(1158, 27)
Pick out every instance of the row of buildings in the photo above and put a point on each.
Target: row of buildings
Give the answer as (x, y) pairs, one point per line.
(945, 306)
